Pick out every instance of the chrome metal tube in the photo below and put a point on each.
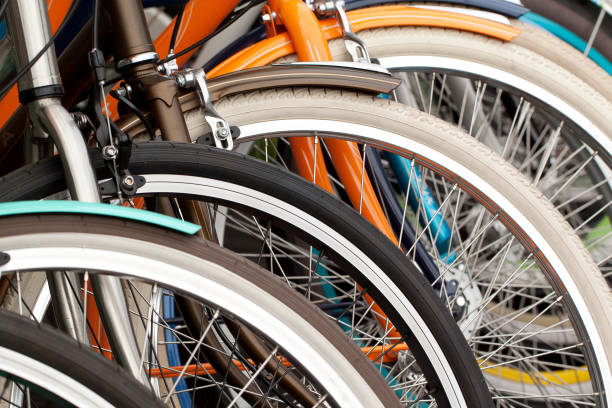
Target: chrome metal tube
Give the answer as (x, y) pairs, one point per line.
(29, 28)
(114, 313)
(68, 312)
(28, 24)
(54, 119)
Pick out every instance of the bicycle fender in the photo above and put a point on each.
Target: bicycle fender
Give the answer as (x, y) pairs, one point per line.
(106, 210)
(358, 77)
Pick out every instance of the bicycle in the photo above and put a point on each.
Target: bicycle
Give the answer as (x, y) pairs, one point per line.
(115, 335)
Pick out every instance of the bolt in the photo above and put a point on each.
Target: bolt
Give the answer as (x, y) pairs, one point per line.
(180, 80)
(266, 18)
(109, 152)
(125, 90)
(325, 8)
(128, 181)
(223, 133)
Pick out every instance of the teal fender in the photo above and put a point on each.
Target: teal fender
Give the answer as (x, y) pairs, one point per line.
(106, 210)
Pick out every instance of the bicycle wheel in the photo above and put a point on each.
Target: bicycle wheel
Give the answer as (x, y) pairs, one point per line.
(301, 233)
(42, 367)
(559, 52)
(544, 120)
(461, 174)
(436, 147)
(237, 300)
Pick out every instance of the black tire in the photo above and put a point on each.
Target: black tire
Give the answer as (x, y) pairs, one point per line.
(59, 352)
(45, 178)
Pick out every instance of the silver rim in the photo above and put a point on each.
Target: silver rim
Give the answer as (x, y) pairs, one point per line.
(406, 147)
(174, 270)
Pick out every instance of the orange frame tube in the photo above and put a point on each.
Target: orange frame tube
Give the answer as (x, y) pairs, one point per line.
(271, 49)
(303, 28)
(382, 354)
(310, 44)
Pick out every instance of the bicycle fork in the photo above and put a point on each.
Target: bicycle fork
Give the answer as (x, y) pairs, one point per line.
(40, 89)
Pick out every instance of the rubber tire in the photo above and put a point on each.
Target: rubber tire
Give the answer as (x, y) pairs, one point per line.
(170, 247)
(579, 17)
(46, 177)
(60, 352)
(380, 114)
(559, 52)
(521, 57)
(564, 55)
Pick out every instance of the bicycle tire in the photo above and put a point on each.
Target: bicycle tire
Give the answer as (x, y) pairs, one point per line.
(203, 271)
(46, 178)
(558, 51)
(59, 359)
(508, 57)
(416, 47)
(295, 110)
(579, 17)
(271, 110)
(564, 55)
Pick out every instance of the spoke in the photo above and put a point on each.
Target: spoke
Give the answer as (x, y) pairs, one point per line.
(255, 374)
(552, 142)
(230, 361)
(192, 355)
(431, 92)
(441, 96)
(485, 302)
(595, 214)
(516, 334)
(596, 28)
(486, 125)
(19, 293)
(599, 240)
(418, 85)
(433, 218)
(574, 175)
(401, 234)
(149, 328)
(581, 194)
(534, 356)
(480, 90)
(520, 111)
(85, 293)
(316, 147)
(269, 244)
(463, 102)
